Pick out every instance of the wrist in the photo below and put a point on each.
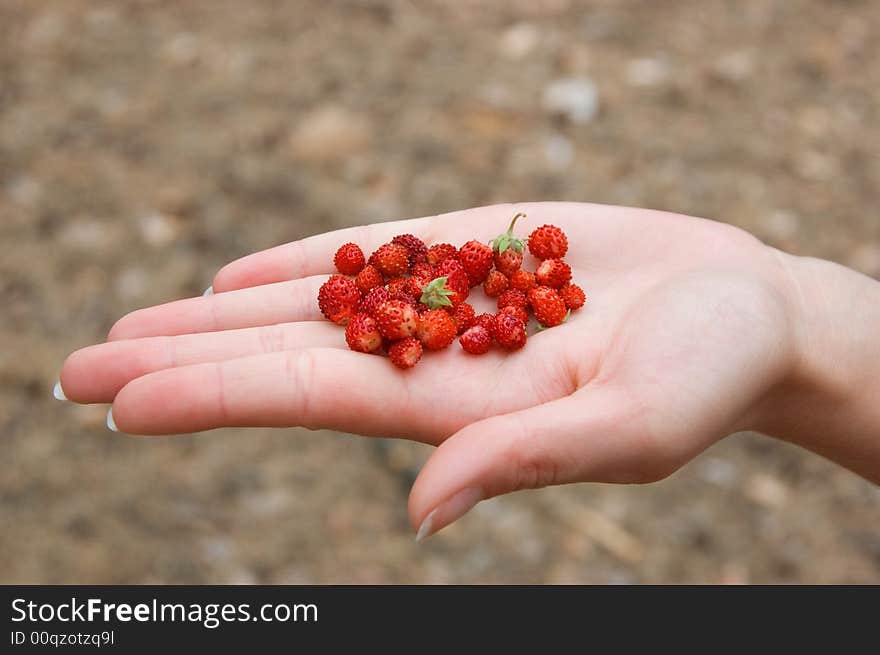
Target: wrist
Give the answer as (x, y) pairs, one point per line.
(827, 400)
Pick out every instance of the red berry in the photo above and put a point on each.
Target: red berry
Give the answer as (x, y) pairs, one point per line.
(477, 259)
(509, 261)
(457, 280)
(522, 280)
(476, 340)
(362, 334)
(392, 259)
(349, 259)
(573, 296)
(512, 297)
(418, 251)
(338, 299)
(397, 286)
(495, 284)
(369, 278)
(373, 299)
(519, 312)
(548, 242)
(548, 306)
(508, 250)
(441, 252)
(405, 353)
(464, 316)
(397, 319)
(509, 331)
(422, 274)
(485, 320)
(553, 273)
(437, 329)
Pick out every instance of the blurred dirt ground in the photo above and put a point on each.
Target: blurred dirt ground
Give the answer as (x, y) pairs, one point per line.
(145, 143)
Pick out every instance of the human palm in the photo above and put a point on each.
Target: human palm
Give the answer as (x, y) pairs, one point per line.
(683, 331)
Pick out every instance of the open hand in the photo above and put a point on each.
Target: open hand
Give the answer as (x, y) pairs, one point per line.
(686, 328)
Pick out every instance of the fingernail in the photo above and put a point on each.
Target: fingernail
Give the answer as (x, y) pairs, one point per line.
(448, 512)
(209, 291)
(111, 424)
(58, 392)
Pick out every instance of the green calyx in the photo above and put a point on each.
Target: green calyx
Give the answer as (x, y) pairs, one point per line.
(541, 327)
(507, 240)
(435, 294)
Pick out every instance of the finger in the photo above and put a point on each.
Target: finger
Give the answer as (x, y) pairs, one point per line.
(310, 256)
(285, 302)
(97, 373)
(313, 388)
(591, 435)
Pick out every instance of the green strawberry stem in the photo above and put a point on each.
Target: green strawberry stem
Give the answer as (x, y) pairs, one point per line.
(507, 240)
(435, 294)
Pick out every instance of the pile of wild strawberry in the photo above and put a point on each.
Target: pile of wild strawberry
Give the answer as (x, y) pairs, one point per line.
(410, 297)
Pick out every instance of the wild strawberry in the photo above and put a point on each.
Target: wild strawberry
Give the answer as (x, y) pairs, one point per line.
(397, 319)
(441, 252)
(485, 320)
(397, 286)
(435, 294)
(512, 297)
(362, 334)
(338, 299)
(573, 296)
(405, 353)
(553, 273)
(495, 284)
(509, 261)
(509, 331)
(457, 280)
(418, 251)
(476, 258)
(508, 250)
(373, 299)
(548, 242)
(476, 340)
(392, 259)
(522, 280)
(437, 329)
(464, 316)
(349, 259)
(369, 278)
(548, 306)
(519, 312)
(422, 274)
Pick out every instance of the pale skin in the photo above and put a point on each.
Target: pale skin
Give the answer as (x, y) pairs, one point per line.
(693, 330)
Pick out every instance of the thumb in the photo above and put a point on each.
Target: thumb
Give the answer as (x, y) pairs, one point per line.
(589, 435)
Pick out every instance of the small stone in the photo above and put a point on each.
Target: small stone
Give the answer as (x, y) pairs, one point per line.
(559, 151)
(575, 98)
(735, 66)
(518, 41)
(132, 283)
(782, 225)
(648, 71)
(817, 166)
(85, 234)
(181, 49)
(330, 133)
(766, 490)
(718, 471)
(159, 229)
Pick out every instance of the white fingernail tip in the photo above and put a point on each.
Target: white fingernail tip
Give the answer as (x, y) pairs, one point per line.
(209, 291)
(111, 424)
(58, 392)
(425, 529)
